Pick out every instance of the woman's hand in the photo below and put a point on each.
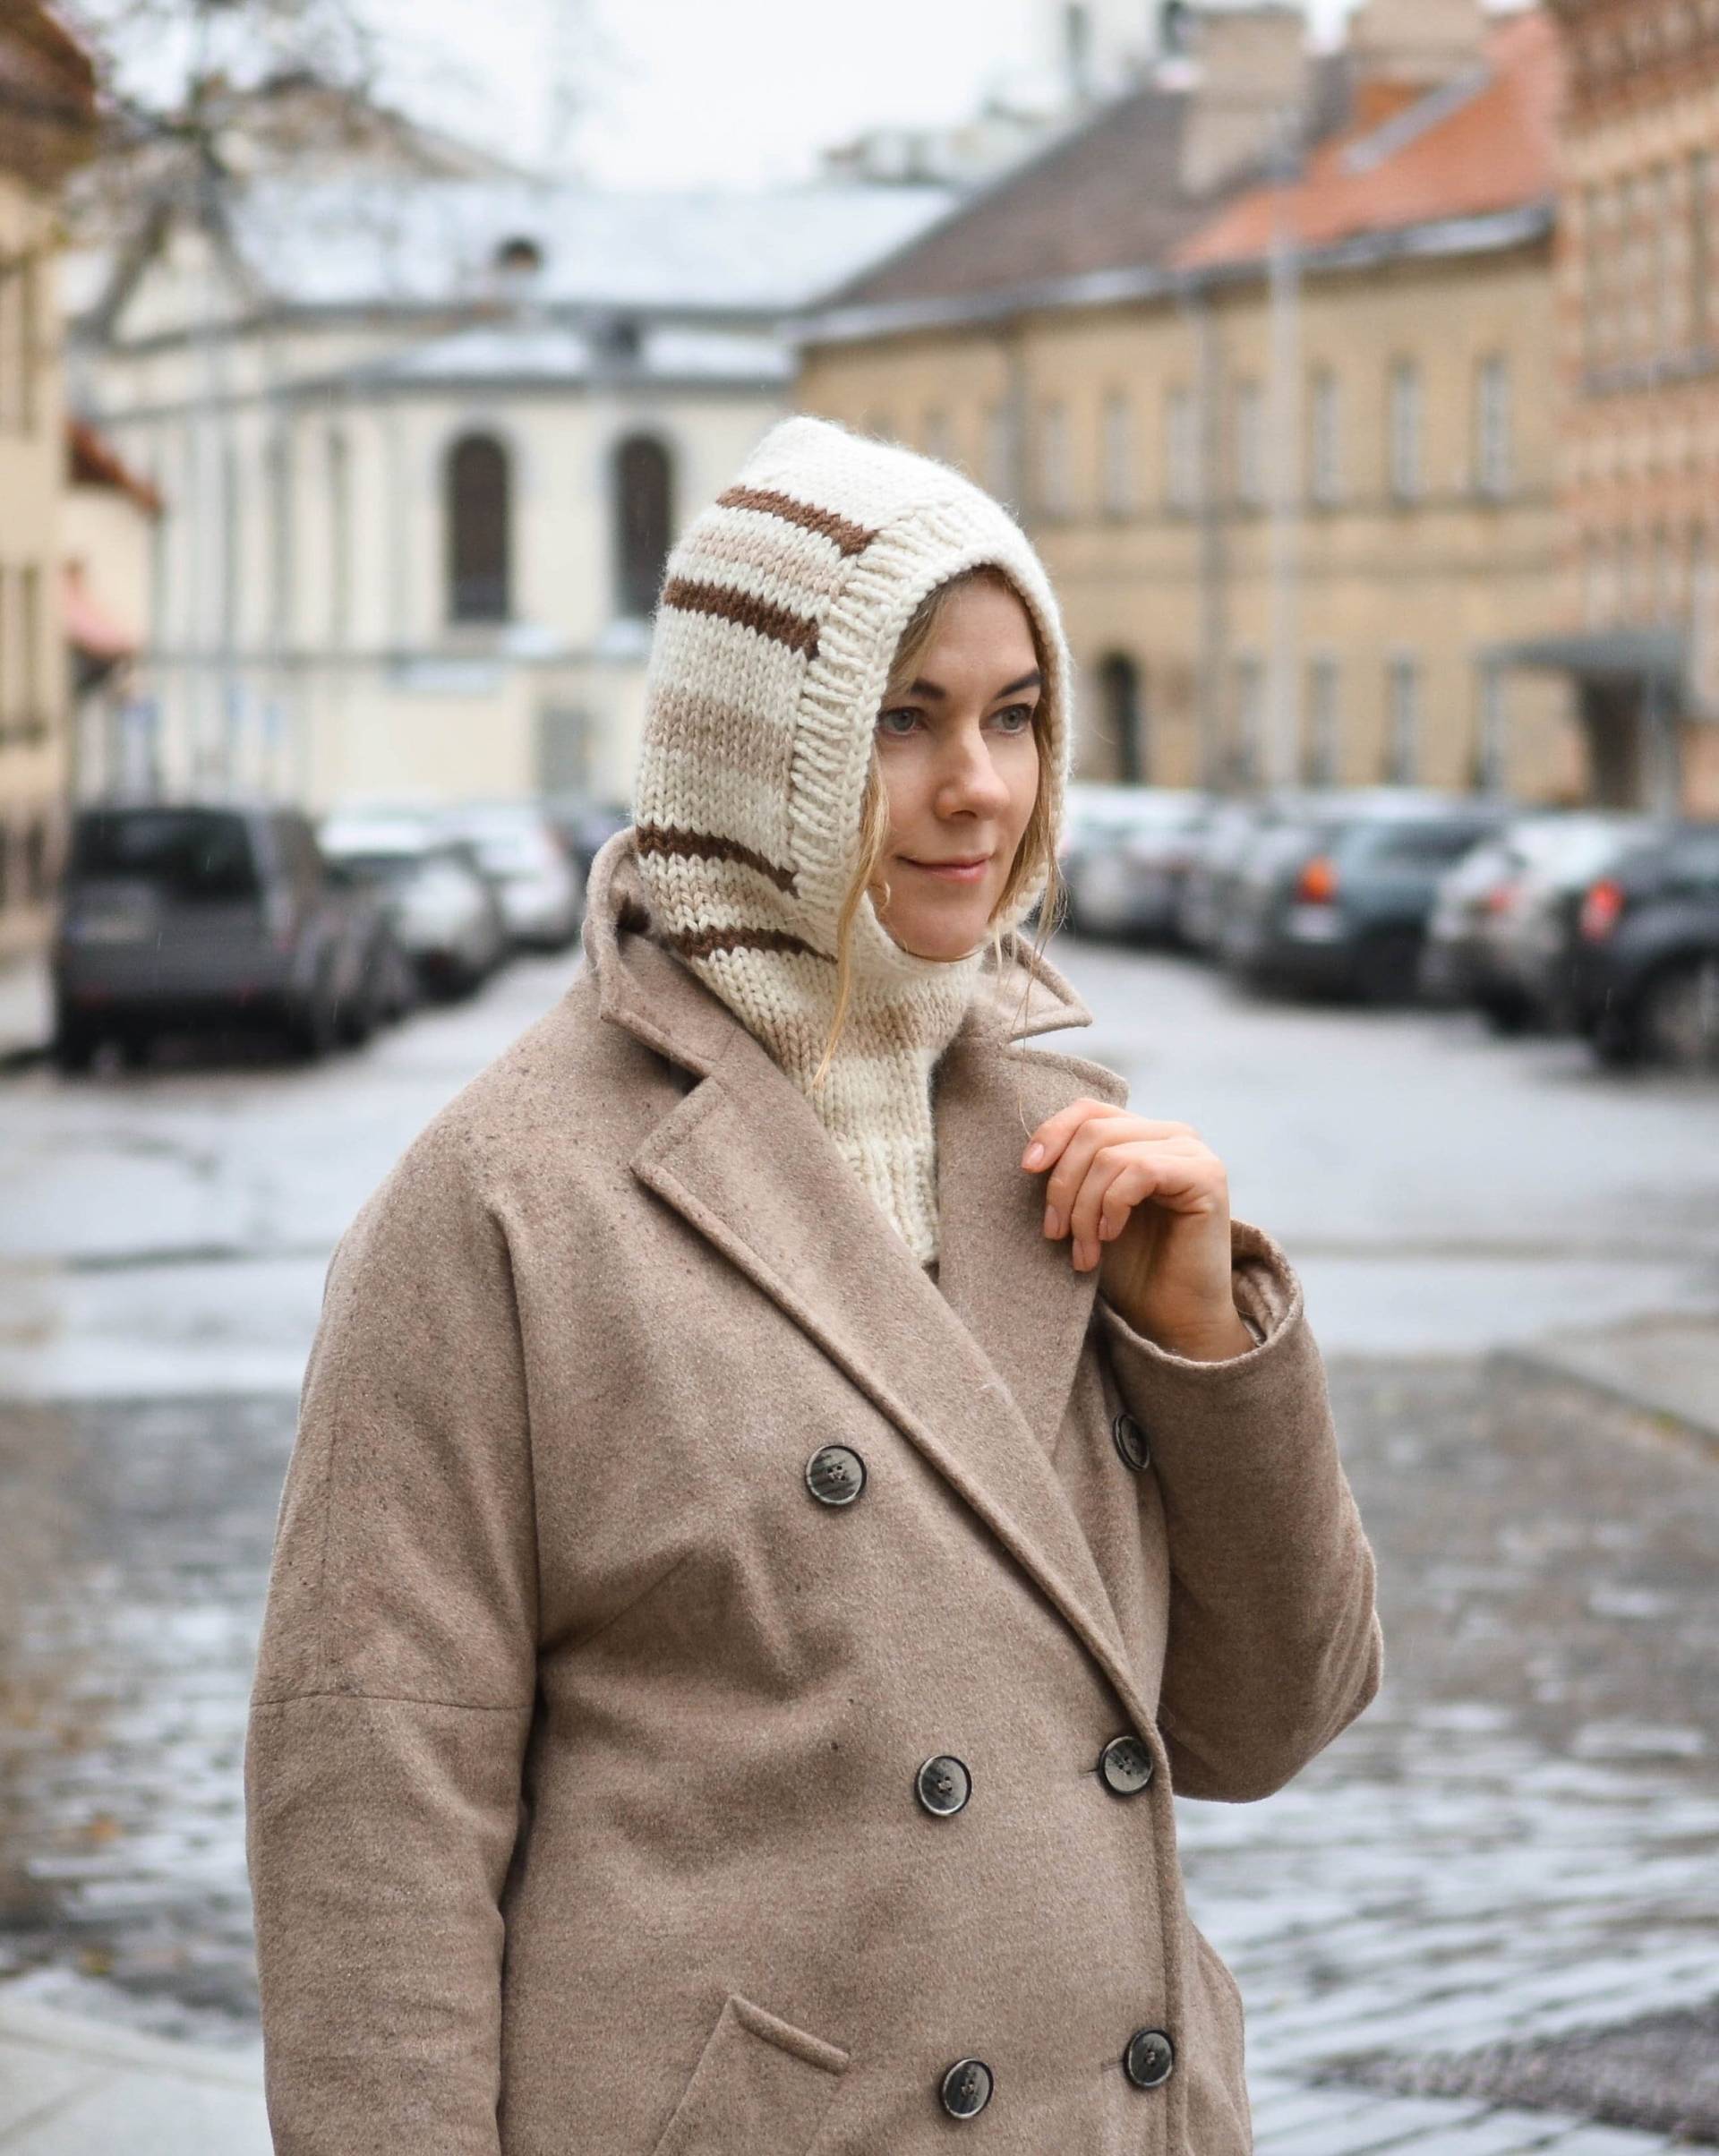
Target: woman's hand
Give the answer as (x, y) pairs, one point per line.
(1149, 1204)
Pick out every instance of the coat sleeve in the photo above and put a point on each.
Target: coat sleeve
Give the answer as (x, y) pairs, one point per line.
(395, 1685)
(1274, 1642)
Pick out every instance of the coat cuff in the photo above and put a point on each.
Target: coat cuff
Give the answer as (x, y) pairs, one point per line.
(1267, 1293)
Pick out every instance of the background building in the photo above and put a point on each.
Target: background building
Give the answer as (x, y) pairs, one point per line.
(1258, 355)
(1638, 350)
(423, 439)
(47, 112)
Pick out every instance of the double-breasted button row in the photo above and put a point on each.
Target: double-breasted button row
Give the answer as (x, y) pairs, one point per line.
(968, 2085)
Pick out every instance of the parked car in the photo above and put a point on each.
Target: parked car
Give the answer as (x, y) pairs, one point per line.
(1216, 853)
(1503, 932)
(584, 824)
(522, 854)
(1645, 987)
(446, 914)
(390, 986)
(1338, 901)
(184, 915)
(1125, 853)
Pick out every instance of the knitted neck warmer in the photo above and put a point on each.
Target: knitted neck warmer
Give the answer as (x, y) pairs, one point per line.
(780, 615)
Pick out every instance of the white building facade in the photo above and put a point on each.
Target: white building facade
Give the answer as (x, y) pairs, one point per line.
(423, 447)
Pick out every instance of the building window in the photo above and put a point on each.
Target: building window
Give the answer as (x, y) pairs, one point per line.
(1662, 234)
(1324, 722)
(479, 518)
(1119, 695)
(1664, 596)
(1492, 748)
(1118, 454)
(1599, 602)
(1053, 493)
(29, 650)
(1407, 426)
(938, 437)
(280, 537)
(1594, 258)
(1182, 450)
(1326, 459)
(339, 537)
(1246, 754)
(1493, 458)
(1702, 229)
(644, 523)
(1403, 740)
(18, 300)
(1249, 445)
(1001, 457)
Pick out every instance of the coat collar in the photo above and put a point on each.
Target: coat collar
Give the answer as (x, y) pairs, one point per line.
(975, 1369)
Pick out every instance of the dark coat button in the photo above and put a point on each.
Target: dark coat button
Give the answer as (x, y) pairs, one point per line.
(967, 2088)
(1126, 1766)
(1131, 1443)
(835, 1475)
(1149, 2057)
(945, 1784)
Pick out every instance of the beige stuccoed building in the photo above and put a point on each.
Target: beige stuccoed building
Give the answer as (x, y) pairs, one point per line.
(1290, 449)
(45, 127)
(423, 441)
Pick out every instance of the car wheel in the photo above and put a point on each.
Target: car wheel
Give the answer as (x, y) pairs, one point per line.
(314, 1028)
(1387, 967)
(1678, 1015)
(73, 1049)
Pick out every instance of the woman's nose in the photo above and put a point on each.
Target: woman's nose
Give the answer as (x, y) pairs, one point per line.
(969, 778)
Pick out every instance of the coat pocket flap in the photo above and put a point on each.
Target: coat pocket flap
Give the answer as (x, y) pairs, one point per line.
(760, 2084)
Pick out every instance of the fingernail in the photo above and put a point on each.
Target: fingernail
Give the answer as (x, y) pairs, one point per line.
(1035, 1154)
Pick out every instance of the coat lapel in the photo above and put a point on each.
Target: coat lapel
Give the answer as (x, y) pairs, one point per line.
(975, 1371)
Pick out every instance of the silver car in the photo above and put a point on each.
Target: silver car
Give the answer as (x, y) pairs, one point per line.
(446, 916)
(525, 858)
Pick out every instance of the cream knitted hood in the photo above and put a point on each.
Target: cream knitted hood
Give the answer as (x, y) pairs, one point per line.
(780, 616)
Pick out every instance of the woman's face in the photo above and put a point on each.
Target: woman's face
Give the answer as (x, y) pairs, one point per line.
(959, 763)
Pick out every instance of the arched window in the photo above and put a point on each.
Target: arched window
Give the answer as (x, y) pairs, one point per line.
(644, 513)
(479, 517)
(1119, 692)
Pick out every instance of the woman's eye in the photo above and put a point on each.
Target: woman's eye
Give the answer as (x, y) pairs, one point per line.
(1022, 712)
(903, 712)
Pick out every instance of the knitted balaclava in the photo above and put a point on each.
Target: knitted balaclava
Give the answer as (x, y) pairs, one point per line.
(780, 616)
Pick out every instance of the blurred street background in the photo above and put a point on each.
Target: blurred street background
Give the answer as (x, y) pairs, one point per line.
(1355, 368)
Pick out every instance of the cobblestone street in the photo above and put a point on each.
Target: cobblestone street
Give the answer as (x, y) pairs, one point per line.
(1484, 1923)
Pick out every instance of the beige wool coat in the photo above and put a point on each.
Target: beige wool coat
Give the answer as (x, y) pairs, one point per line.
(666, 1556)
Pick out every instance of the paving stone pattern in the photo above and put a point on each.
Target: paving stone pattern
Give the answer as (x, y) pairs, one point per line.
(1516, 1848)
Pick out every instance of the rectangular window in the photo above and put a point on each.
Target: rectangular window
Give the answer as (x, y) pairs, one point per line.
(1324, 745)
(1663, 234)
(1118, 454)
(1250, 444)
(1406, 420)
(1493, 426)
(1701, 235)
(11, 358)
(29, 293)
(1326, 459)
(1491, 749)
(1594, 256)
(1403, 741)
(1002, 460)
(1247, 755)
(1054, 491)
(1182, 450)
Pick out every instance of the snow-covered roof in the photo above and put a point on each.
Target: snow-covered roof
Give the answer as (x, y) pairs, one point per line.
(520, 353)
(362, 242)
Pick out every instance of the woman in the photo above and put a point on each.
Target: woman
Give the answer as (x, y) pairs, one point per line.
(785, 1485)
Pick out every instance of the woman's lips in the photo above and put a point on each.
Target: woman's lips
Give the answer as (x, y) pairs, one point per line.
(951, 872)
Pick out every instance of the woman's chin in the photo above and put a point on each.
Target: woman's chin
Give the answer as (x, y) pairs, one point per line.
(945, 940)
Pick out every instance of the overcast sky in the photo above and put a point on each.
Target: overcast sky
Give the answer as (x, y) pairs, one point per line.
(723, 93)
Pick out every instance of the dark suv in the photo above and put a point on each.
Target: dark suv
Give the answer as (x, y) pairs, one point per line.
(1646, 986)
(176, 916)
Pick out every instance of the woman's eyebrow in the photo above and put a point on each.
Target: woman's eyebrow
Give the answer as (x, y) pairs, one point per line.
(932, 690)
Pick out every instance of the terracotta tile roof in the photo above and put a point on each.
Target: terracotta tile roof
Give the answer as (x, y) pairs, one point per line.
(1104, 198)
(1488, 146)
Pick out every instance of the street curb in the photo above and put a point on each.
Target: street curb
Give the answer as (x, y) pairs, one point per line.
(1530, 1363)
(52, 2029)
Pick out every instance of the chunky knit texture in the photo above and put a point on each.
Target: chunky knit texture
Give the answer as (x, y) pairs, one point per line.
(780, 614)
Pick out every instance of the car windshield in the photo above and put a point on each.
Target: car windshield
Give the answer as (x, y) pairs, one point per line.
(1411, 844)
(197, 855)
(380, 868)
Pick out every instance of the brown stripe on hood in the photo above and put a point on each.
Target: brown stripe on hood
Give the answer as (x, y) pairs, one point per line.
(847, 537)
(710, 845)
(700, 942)
(779, 623)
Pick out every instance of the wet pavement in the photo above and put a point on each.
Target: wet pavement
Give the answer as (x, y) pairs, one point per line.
(1498, 1892)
